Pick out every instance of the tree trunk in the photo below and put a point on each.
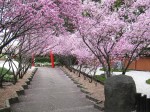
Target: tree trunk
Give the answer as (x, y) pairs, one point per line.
(108, 73)
(91, 80)
(1, 84)
(84, 77)
(15, 80)
(80, 71)
(1, 81)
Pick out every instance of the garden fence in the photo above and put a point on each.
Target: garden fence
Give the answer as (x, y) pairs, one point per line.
(84, 74)
(142, 103)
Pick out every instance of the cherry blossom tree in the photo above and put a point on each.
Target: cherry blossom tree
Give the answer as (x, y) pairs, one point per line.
(136, 38)
(98, 29)
(20, 18)
(89, 30)
(106, 30)
(24, 21)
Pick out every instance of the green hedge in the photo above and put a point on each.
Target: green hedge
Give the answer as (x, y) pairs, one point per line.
(58, 59)
(42, 59)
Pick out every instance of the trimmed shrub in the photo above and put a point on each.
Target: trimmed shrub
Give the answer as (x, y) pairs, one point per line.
(148, 81)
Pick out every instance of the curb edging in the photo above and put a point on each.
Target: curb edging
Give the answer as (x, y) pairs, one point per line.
(7, 108)
(15, 99)
(98, 107)
(85, 91)
(95, 101)
(92, 98)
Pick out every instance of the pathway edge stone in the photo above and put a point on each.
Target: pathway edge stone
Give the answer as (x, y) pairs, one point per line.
(15, 99)
(95, 101)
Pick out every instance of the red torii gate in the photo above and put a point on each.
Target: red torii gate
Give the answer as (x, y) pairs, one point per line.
(52, 59)
(33, 64)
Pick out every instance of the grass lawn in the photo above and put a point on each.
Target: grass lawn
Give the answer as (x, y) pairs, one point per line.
(100, 78)
(113, 70)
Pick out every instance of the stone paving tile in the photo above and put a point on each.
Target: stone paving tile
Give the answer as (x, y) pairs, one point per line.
(52, 91)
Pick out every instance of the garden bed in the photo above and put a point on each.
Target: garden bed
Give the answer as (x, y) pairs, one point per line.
(9, 90)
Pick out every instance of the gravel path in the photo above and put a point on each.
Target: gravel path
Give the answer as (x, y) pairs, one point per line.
(52, 91)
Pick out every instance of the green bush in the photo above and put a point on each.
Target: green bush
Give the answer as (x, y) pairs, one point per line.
(8, 76)
(42, 59)
(4, 70)
(148, 81)
(58, 59)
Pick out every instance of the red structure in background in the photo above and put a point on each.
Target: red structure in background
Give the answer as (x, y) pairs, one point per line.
(143, 64)
(33, 64)
(52, 59)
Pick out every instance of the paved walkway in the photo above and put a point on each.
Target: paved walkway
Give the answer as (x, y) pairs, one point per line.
(52, 91)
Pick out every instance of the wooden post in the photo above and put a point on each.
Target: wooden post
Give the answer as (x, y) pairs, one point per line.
(143, 103)
(52, 59)
(147, 104)
(138, 102)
